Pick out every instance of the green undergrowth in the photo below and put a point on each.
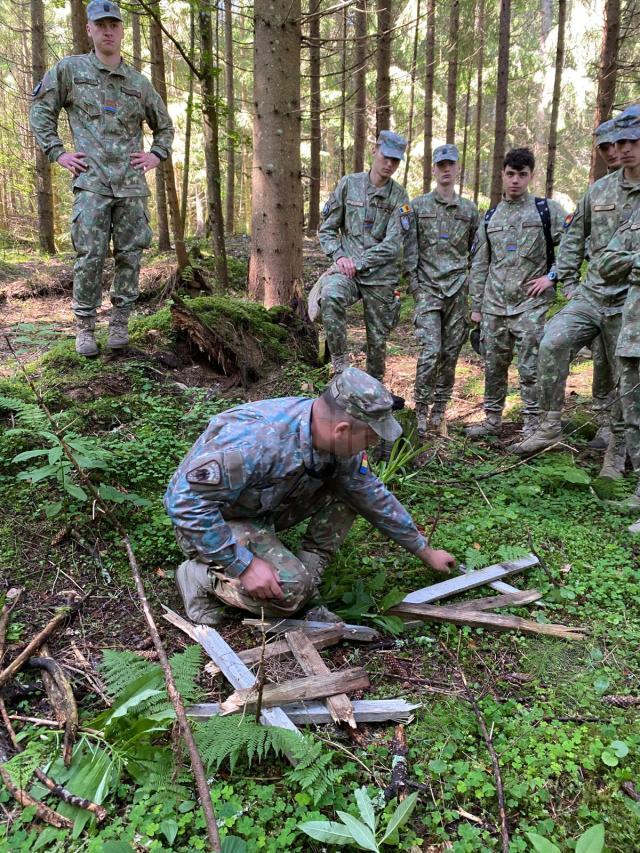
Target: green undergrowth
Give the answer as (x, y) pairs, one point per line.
(564, 750)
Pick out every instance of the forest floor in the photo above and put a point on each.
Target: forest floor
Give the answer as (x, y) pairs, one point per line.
(569, 757)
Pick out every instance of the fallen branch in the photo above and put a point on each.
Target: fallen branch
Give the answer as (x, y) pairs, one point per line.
(399, 767)
(359, 633)
(11, 599)
(42, 811)
(493, 602)
(61, 699)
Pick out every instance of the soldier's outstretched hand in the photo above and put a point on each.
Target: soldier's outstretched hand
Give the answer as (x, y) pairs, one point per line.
(261, 580)
(144, 160)
(73, 162)
(440, 561)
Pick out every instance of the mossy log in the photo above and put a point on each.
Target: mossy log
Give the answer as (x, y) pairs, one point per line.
(242, 337)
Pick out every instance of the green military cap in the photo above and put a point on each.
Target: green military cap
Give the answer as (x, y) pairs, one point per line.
(99, 9)
(445, 152)
(367, 400)
(627, 124)
(603, 134)
(392, 144)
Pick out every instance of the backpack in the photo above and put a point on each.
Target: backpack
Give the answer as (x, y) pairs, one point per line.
(542, 206)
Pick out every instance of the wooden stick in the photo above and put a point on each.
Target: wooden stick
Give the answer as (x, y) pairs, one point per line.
(491, 602)
(311, 663)
(399, 768)
(312, 687)
(10, 602)
(310, 713)
(42, 811)
(61, 699)
(359, 633)
(490, 621)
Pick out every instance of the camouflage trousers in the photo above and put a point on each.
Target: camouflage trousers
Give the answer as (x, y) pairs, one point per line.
(500, 336)
(340, 292)
(630, 398)
(576, 326)
(329, 523)
(441, 329)
(603, 384)
(97, 219)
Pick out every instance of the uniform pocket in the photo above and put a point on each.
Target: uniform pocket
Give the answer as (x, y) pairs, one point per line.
(531, 239)
(354, 218)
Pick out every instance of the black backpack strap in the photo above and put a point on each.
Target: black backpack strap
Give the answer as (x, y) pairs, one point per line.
(542, 205)
(487, 220)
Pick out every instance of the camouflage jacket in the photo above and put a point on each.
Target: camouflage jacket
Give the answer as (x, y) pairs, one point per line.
(257, 457)
(620, 261)
(106, 108)
(367, 224)
(606, 205)
(510, 251)
(437, 250)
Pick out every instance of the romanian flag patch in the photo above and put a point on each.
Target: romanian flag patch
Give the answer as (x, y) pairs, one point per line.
(568, 220)
(364, 464)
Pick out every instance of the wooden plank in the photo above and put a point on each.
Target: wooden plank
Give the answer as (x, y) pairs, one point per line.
(470, 580)
(490, 621)
(634, 528)
(311, 663)
(308, 713)
(492, 602)
(280, 648)
(297, 690)
(359, 633)
(234, 670)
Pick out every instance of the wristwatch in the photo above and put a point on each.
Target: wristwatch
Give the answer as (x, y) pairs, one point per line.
(552, 275)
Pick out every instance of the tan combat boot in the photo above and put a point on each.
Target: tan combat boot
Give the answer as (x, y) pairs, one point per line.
(118, 328)
(422, 418)
(614, 459)
(438, 422)
(85, 336)
(600, 441)
(491, 425)
(339, 363)
(549, 432)
(529, 425)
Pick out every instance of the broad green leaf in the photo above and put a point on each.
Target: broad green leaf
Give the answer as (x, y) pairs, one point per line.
(601, 684)
(437, 765)
(55, 454)
(328, 831)
(76, 492)
(52, 509)
(29, 454)
(116, 847)
(169, 828)
(233, 844)
(401, 815)
(134, 700)
(541, 844)
(619, 747)
(609, 758)
(38, 474)
(395, 596)
(110, 494)
(591, 841)
(365, 807)
(360, 833)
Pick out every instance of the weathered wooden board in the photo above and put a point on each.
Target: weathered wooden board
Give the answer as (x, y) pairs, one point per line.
(359, 633)
(311, 663)
(470, 580)
(308, 713)
(492, 602)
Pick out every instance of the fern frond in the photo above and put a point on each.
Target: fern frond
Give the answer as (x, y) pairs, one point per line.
(186, 666)
(512, 552)
(312, 771)
(231, 737)
(23, 765)
(121, 669)
(28, 415)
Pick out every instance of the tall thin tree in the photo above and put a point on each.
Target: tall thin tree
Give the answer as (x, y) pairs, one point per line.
(555, 102)
(360, 86)
(429, 77)
(343, 89)
(184, 196)
(465, 134)
(383, 66)
(479, 33)
(231, 121)
(43, 169)
(500, 133)
(80, 36)
(313, 218)
(452, 71)
(412, 93)
(162, 213)
(607, 76)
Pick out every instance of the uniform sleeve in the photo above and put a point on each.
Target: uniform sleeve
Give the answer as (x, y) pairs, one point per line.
(160, 123)
(558, 216)
(479, 268)
(366, 494)
(571, 253)
(332, 223)
(389, 248)
(49, 97)
(411, 253)
(616, 262)
(475, 224)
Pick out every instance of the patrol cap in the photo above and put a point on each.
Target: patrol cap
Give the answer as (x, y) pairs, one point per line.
(603, 134)
(445, 152)
(392, 144)
(627, 124)
(367, 400)
(99, 9)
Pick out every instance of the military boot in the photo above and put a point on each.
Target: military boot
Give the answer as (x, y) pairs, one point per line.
(600, 441)
(118, 328)
(614, 458)
(549, 432)
(314, 563)
(339, 363)
(85, 336)
(196, 589)
(422, 418)
(438, 422)
(529, 425)
(491, 425)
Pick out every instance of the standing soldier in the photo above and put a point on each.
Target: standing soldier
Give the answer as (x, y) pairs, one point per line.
(437, 257)
(596, 306)
(511, 284)
(106, 102)
(362, 229)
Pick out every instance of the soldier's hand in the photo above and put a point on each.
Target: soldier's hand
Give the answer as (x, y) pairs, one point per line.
(346, 267)
(476, 317)
(144, 160)
(74, 163)
(440, 561)
(538, 285)
(261, 580)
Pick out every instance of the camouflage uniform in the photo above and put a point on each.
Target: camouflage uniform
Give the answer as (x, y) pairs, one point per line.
(365, 223)
(437, 256)
(511, 251)
(106, 108)
(254, 472)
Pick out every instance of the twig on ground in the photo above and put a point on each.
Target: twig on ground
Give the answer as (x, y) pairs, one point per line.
(260, 678)
(399, 767)
(10, 602)
(543, 565)
(43, 812)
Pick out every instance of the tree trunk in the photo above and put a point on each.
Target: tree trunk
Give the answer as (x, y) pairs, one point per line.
(452, 76)
(555, 103)
(465, 136)
(360, 86)
(607, 75)
(184, 198)
(427, 170)
(136, 41)
(215, 218)
(275, 267)
(230, 98)
(383, 65)
(479, 31)
(43, 169)
(313, 219)
(162, 215)
(500, 133)
(343, 92)
(412, 93)
(158, 78)
(81, 40)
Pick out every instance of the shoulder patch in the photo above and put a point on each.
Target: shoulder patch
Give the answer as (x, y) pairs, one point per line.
(405, 208)
(568, 220)
(36, 90)
(328, 206)
(223, 469)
